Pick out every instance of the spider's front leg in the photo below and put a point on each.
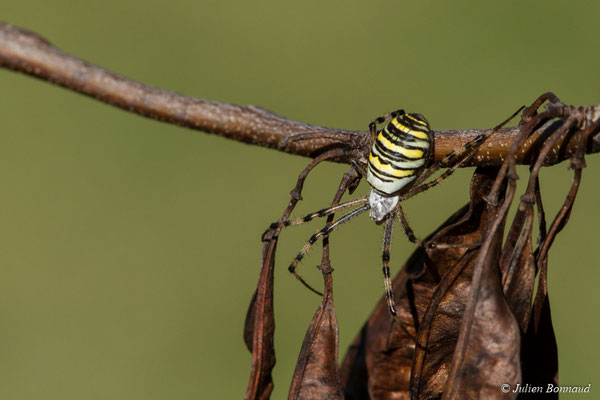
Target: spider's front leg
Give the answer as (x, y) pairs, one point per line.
(381, 120)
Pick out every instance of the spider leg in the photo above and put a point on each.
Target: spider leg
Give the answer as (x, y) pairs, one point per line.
(296, 193)
(385, 257)
(318, 214)
(470, 148)
(407, 229)
(426, 186)
(381, 120)
(360, 168)
(323, 232)
(338, 137)
(411, 235)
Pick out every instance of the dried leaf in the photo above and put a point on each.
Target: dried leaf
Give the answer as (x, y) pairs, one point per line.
(442, 360)
(353, 372)
(488, 347)
(383, 353)
(316, 375)
(260, 327)
(517, 264)
(540, 352)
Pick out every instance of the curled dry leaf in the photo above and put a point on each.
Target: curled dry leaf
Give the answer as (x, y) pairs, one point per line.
(540, 351)
(259, 328)
(518, 267)
(486, 355)
(316, 375)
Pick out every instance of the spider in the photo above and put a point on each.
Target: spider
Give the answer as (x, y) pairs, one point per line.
(396, 170)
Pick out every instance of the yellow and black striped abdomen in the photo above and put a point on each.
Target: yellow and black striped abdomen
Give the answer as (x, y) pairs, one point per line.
(399, 153)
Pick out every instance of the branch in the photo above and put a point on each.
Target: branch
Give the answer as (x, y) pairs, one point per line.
(29, 53)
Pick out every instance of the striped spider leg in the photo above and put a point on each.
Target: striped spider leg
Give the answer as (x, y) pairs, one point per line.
(467, 151)
(381, 120)
(325, 232)
(349, 182)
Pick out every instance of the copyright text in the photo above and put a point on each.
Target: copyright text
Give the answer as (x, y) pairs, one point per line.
(549, 388)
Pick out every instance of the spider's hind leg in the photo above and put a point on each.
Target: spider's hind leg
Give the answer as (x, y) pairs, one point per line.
(407, 229)
(427, 243)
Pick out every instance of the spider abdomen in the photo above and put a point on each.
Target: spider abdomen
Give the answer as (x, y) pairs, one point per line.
(398, 154)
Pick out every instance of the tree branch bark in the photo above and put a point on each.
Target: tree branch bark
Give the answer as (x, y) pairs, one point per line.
(29, 53)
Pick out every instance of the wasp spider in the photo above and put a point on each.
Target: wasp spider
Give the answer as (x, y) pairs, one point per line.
(395, 170)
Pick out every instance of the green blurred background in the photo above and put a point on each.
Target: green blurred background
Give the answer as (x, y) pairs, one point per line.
(130, 248)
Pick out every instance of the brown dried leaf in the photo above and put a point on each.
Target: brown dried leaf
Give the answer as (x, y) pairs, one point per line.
(450, 360)
(369, 361)
(517, 264)
(540, 352)
(353, 372)
(488, 347)
(439, 331)
(316, 375)
(382, 355)
(259, 328)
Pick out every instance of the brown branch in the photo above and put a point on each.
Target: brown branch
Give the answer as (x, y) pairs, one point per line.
(29, 53)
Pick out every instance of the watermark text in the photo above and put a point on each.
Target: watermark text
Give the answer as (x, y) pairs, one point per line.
(549, 388)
